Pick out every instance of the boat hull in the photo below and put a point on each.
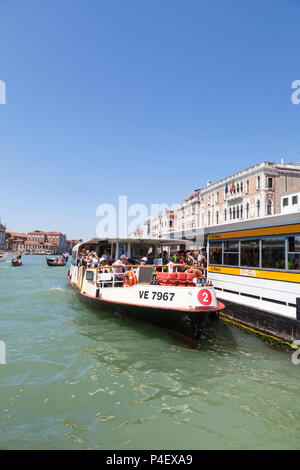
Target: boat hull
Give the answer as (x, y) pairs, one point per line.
(52, 263)
(185, 324)
(16, 263)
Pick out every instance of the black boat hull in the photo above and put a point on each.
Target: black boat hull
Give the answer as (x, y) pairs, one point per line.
(53, 263)
(16, 263)
(185, 325)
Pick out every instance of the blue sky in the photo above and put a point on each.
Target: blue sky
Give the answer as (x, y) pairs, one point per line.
(148, 99)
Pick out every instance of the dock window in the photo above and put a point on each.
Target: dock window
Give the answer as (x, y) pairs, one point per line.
(215, 252)
(273, 253)
(231, 253)
(294, 253)
(250, 253)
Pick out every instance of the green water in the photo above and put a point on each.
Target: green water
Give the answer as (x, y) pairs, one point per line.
(76, 378)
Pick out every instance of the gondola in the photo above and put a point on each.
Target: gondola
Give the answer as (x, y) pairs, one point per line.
(16, 262)
(55, 262)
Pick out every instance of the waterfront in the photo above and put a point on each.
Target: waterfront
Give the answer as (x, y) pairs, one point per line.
(77, 378)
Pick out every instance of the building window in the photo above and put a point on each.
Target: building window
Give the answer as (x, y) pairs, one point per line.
(217, 217)
(247, 190)
(233, 213)
(269, 207)
(285, 201)
(258, 208)
(247, 210)
(294, 200)
(237, 187)
(218, 196)
(230, 213)
(241, 211)
(270, 183)
(237, 212)
(242, 186)
(225, 215)
(208, 218)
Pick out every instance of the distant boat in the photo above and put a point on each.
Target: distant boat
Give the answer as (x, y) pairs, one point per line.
(55, 262)
(16, 262)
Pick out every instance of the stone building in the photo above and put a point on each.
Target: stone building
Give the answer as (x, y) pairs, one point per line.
(2, 236)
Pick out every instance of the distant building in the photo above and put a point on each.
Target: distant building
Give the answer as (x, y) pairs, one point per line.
(2, 236)
(41, 242)
(70, 244)
(15, 241)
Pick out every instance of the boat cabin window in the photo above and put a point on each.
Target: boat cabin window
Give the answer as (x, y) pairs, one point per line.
(250, 253)
(215, 253)
(231, 253)
(273, 252)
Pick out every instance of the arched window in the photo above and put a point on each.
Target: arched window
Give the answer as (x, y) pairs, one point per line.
(230, 213)
(237, 187)
(247, 210)
(237, 212)
(247, 186)
(233, 213)
(241, 211)
(242, 186)
(208, 218)
(217, 217)
(258, 208)
(269, 207)
(225, 215)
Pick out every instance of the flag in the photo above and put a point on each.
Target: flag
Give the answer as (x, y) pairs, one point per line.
(226, 188)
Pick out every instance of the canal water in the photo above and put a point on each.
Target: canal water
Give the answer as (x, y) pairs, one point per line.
(76, 378)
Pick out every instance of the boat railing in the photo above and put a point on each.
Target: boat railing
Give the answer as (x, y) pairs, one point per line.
(107, 276)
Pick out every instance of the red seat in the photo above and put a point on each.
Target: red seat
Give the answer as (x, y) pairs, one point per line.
(181, 279)
(164, 278)
(190, 277)
(172, 279)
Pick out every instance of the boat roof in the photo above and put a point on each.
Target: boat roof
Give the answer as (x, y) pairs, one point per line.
(139, 241)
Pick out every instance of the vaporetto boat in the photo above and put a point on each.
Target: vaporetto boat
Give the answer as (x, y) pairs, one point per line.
(161, 295)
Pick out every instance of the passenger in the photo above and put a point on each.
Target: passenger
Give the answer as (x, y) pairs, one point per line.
(143, 261)
(107, 257)
(119, 267)
(95, 260)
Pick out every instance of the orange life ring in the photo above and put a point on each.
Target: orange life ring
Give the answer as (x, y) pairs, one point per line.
(129, 279)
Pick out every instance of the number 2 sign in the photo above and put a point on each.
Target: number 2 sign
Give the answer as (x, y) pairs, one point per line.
(204, 297)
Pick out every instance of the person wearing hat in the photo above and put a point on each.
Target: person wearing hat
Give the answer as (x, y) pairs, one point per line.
(144, 261)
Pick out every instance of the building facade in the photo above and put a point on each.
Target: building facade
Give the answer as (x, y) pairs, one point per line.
(42, 242)
(2, 236)
(251, 193)
(15, 241)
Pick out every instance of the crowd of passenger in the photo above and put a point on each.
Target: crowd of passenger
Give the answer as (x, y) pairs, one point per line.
(187, 258)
